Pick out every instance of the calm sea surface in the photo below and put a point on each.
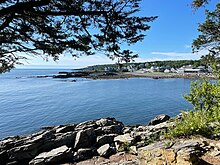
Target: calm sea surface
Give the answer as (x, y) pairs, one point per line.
(27, 104)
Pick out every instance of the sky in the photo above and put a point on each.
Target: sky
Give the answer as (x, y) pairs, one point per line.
(169, 38)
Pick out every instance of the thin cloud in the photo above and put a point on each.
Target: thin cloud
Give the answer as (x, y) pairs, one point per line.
(172, 54)
(65, 62)
(188, 46)
(180, 55)
(145, 59)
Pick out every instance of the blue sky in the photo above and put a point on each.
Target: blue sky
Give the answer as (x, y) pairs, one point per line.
(169, 38)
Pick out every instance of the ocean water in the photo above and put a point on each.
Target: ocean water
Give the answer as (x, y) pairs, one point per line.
(27, 104)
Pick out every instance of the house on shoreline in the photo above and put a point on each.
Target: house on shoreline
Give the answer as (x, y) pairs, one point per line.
(181, 67)
(191, 69)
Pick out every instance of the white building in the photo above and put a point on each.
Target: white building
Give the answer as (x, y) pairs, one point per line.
(166, 71)
(190, 69)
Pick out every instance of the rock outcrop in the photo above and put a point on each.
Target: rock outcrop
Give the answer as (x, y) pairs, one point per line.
(159, 119)
(108, 141)
(53, 156)
(198, 151)
(65, 142)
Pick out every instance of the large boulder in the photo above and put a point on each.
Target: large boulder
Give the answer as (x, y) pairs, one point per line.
(112, 129)
(25, 148)
(28, 147)
(16, 141)
(28, 151)
(126, 138)
(123, 142)
(159, 119)
(65, 139)
(106, 150)
(105, 122)
(84, 153)
(60, 139)
(53, 156)
(105, 139)
(85, 138)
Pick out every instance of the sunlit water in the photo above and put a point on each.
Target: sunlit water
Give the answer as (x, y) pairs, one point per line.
(27, 104)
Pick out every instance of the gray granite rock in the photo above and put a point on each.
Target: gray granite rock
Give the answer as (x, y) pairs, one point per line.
(112, 129)
(85, 138)
(105, 139)
(84, 153)
(106, 150)
(126, 138)
(188, 144)
(65, 139)
(105, 122)
(53, 156)
(159, 119)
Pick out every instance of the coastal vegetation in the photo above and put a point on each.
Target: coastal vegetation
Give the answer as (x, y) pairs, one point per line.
(204, 95)
(204, 119)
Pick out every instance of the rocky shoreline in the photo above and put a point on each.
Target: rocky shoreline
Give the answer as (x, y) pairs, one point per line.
(108, 141)
(122, 75)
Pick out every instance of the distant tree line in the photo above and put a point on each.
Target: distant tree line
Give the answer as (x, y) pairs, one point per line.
(167, 64)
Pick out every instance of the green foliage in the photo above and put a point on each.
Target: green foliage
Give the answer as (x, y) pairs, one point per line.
(54, 27)
(192, 123)
(205, 97)
(210, 32)
(175, 64)
(168, 144)
(124, 147)
(210, 59)
(198, 3)
(152, 138)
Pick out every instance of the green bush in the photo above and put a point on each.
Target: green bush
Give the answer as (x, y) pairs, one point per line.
(191, 123)
(124, 147)
(205, 97)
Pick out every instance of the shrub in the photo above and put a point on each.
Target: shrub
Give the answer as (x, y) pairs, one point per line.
(191, 123)
(205, 97)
